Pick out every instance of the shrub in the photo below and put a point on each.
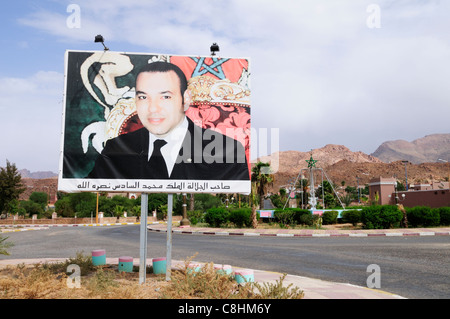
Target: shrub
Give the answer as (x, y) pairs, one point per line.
(84, 261)
(422, 216)
(351, 216)
(381, 216)
(207, 283)
(329, 217)
(444, 215)
(216, 216)
(317, 220)
(284, 217)
(298, 213)
(240, 217)
(306, 219)
(195, 216)
(391, 216)
(370, 216)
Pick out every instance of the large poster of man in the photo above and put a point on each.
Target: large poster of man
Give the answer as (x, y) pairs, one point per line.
(155, 123)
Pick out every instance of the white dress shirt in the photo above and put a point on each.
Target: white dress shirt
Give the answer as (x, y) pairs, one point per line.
(174, 141)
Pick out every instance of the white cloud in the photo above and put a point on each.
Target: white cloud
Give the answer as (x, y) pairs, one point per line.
(30, 121)
(318, 72)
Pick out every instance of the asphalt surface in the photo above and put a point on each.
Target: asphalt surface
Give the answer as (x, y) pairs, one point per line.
(420, 266)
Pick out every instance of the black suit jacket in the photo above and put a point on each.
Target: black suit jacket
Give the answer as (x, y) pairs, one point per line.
(204, 155)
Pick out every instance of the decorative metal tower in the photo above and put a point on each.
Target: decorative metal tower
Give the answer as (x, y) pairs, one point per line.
(311, 166)
(312, 198)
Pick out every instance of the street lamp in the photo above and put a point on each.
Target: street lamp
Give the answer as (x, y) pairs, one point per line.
(406, 174)
(214, 48)
(439, 159)
(357, 188)
(185, 220)
(99, 38)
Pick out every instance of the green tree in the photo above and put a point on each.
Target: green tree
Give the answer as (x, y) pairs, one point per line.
(352, 192)
(261, 177)
(347, 199)
(64, 208)
(206, 201)
(14, 207)
(118, 211)
(31, 207)
(400, 187)
(83, 204)
(105, 205)
(122, 201)
(11, 185)
(156, 201)
(277, 200)
(40, 198)
(328, 193)
(136, 210)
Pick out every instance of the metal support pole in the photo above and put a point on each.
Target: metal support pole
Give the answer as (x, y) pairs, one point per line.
(143, 239)
(96, 211)
(185, 220)
(169, 236)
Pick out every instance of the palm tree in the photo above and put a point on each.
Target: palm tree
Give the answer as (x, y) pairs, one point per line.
(118, 211)
(261, 177)
(303, 186)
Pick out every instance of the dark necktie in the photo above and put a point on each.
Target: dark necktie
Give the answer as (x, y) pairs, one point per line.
(157, 165)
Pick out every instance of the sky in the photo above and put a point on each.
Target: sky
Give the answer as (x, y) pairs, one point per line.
(347, 72)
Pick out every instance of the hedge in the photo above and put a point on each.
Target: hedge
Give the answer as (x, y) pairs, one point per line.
(217, 216)
(293, 216)
(444, 215)
(329, 217)
(422, 216)
(372, 217)
(240, 217)
(351, 216)
(196, 216)
(220, 216)
(381, 217)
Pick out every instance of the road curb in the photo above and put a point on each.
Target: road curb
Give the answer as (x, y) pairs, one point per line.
(284, 235)
(6, 228)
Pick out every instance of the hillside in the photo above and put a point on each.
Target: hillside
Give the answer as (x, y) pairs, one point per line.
(45, 185)
(330, 154)
(427, 149)
(342, 165)
(38, 175)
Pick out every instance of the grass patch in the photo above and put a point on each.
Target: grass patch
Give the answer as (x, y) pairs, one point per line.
(208, 283)
(51, 281)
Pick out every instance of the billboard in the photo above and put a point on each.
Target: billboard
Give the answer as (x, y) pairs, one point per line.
(135, 122)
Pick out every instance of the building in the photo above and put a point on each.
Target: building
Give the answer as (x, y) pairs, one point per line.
(383, 192)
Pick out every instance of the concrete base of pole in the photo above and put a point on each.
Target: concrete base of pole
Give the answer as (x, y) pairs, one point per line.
(185, 222)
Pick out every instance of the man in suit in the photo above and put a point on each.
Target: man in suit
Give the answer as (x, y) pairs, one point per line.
(170, 145)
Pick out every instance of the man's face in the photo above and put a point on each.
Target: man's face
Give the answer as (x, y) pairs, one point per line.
(159, 102)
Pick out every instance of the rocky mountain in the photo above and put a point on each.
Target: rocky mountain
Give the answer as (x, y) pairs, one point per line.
(339, 164)
(330, 154)
(37, 175)
(427, 149)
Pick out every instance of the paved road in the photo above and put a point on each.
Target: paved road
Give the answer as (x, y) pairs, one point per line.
(413, 267)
